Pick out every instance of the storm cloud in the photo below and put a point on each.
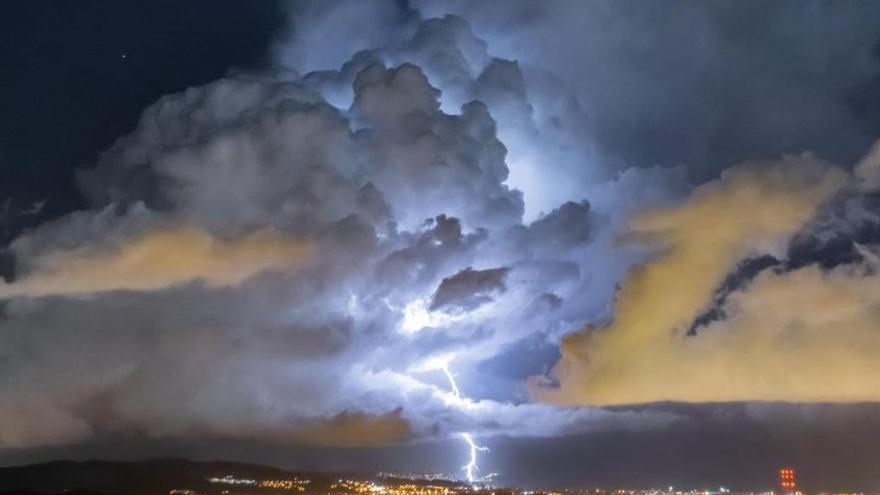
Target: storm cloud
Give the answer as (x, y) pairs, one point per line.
(298, 255)
(299, 269)
(740, 303)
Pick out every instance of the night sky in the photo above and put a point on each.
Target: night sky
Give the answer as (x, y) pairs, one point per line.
(80, 73)
(619, 243)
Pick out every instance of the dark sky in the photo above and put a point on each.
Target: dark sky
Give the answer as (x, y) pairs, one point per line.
(80, 73)
(287, 254)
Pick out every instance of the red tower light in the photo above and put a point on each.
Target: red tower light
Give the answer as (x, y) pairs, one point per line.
(787, 483)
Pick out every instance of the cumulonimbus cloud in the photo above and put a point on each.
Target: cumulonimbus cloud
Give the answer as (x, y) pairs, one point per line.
(801, 336)
(362, 210)
(402, 165)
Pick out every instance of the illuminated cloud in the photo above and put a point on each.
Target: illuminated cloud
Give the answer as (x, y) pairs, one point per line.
(663, 85)
(156, 260)
(291, 256)
(801, 336)
(264, 262)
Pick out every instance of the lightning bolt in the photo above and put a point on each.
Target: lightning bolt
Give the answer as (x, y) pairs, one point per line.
(453, 387)
(470, 468)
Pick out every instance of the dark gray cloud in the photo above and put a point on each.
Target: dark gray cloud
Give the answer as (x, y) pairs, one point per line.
(705, 84)
(468, 289)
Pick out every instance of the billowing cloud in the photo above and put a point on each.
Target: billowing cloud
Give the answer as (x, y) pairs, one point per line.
(550, 155)
(704, 84)
(288, 258)
(296, 255)
(798, 335)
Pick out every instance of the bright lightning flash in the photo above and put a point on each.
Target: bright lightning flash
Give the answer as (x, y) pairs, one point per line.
(470, 468)
(452, 385)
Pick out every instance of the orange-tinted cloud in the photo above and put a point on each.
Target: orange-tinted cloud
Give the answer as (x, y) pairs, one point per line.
(156, 260)
(355, 429)
(798, 336)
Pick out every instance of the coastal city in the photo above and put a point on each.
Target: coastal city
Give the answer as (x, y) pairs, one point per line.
(440, 484)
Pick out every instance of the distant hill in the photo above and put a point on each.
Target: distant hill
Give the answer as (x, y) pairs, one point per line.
(154, 477)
